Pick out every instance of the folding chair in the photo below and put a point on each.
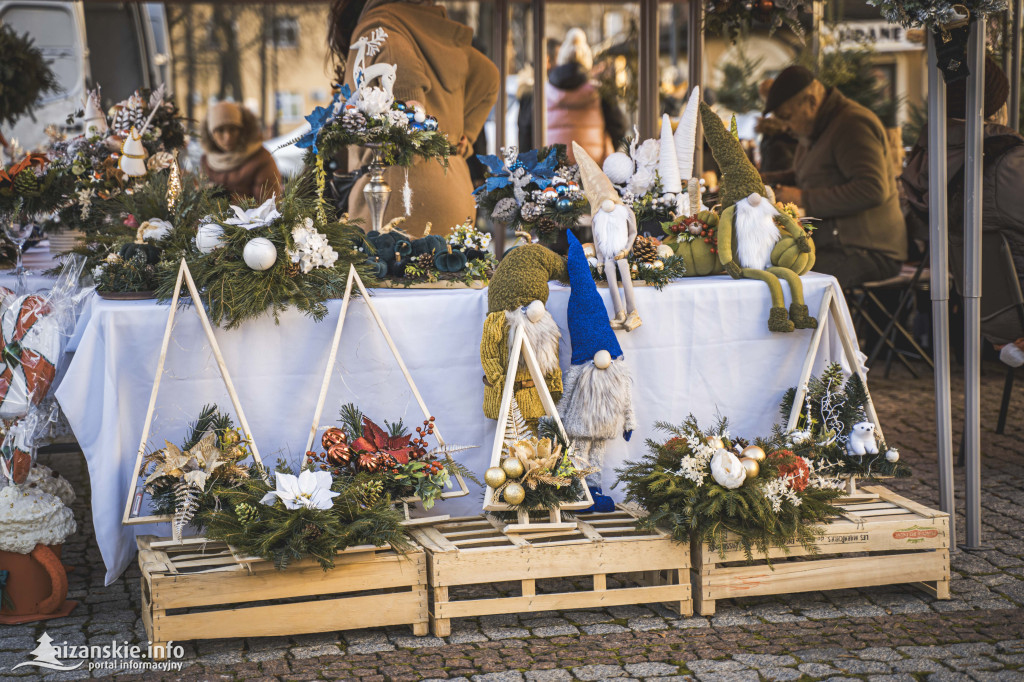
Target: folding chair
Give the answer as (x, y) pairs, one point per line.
(869, 308)
(1001, 284)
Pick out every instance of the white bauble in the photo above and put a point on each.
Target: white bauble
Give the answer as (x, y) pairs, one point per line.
(665, 251)
(260, 253)
(892, 455)
(727, 470)
(208, 237)
(618, 167)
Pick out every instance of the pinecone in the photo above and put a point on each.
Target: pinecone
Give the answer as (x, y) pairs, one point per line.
(246, 513)
(547, 225)
(311, 531)
(505, 210)
(645, 249)
(425, 261)
(353, 121)
(26, 182)
(293, 270)
(530, 212)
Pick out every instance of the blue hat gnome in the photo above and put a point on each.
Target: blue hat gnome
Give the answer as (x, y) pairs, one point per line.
(597, 394)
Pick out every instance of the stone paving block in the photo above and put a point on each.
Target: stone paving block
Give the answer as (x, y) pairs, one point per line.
(715, 666)
(508, 676)
(590, 673)
(878, 653)
(918, 665)
(970, 663)
(506, 633)
(764, 660)
(692, 622)
(971, 649)
(646, 623)
(901, 677)
(738, 676)
(556, 630)
(629, 611)
(863, 667)
(817, 669)
(651, 669)
(604, 629)
(468, 637)
(412, 642)
(947, 676)
(556, 675)
(824, 654)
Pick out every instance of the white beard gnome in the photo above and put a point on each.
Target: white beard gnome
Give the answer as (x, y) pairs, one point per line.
(597, 397)
(614, 233)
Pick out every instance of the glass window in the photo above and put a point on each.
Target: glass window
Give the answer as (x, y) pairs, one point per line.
(290, 107)
(56, 35)
(285, 32)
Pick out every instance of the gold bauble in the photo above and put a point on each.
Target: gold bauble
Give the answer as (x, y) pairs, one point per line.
(513, 467)
(751, 467)
(514, 493)
(494, 477)
(716, 442)
(754, 452)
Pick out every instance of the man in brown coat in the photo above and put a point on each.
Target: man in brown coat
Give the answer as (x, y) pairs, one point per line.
(841, 174)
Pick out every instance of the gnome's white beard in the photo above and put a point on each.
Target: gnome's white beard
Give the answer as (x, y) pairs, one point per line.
(542, 334)
(611, 232)
(756, 233)
(597, 403)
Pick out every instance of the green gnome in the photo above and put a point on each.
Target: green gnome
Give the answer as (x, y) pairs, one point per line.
(755, 240)
(516, 298)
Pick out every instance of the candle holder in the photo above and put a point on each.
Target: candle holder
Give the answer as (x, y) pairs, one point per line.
(377, 191)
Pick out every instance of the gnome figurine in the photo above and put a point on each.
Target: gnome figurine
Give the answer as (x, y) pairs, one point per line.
(133, 155)
(95, 122)
(614, 226)
(516, 298)
(597, 397)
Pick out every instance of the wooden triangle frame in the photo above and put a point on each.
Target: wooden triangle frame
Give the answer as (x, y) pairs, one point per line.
(353, 277)
(830, 310)
(135, 491)
(521, 346)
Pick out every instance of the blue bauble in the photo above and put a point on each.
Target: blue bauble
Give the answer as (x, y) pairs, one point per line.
(410, 116)
(430, 123)
(562, 190)
(417, 126)
(517, 165)
(563, 205)
(398, 106)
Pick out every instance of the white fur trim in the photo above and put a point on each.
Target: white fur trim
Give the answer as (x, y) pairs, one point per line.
(543, 335)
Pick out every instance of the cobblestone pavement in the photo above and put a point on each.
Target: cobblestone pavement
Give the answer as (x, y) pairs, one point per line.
(889, 633)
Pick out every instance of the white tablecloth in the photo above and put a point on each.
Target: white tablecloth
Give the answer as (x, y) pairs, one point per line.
(704, 348)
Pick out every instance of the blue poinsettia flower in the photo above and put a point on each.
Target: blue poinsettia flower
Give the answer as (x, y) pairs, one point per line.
(320, 117)
(500, 176)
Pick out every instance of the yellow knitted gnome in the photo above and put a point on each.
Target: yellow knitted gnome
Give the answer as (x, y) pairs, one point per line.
(516, 297)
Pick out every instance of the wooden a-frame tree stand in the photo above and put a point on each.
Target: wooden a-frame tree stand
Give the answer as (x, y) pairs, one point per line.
(830, 309)
(353, 277)
(128, 518)
(521, 347)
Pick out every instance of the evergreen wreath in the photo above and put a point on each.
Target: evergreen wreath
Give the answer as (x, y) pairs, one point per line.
(733, 18)
(673, 267)
(917, 13)
(784, 504)
(233, 292)
(834, 404)
(25, 75)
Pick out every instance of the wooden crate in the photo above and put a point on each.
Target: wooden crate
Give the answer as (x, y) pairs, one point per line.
(203, 590)
(887, 540)
(473, 550)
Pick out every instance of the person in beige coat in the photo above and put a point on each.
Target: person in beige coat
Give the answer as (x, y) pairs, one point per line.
(234, 156)
(439, 69)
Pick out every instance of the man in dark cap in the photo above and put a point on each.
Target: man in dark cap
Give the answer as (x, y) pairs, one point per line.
(1002, 208)
(842, 175)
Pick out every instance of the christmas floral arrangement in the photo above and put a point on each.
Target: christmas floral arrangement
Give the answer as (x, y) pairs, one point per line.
(35, 184)
(695, 240)
(390, 460)
(833, 427)
(254, 259)
(93, 159)
(181, 480)
(463, 257)
(651, 261)
(536, 191)
(710, 487)
(732, 18)
(537, 470)
(917, 13)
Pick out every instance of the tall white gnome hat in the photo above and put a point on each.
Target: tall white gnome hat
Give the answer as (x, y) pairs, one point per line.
(596, 185)
(668, 166)
(597, 402)
(133, 155)
(95, 122)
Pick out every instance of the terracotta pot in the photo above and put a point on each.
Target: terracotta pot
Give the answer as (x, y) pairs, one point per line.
(37, 583)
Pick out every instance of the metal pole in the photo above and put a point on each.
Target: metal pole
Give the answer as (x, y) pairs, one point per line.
(695, 60)
(500, 35)
(972, 280)
(1015, 49)
(817, 19)
(648, 63)
(540, 74)
(939, 254)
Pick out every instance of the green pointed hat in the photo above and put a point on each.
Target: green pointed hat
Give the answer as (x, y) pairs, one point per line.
(739, 177)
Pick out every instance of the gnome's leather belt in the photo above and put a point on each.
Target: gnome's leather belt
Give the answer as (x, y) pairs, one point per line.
(519, 385)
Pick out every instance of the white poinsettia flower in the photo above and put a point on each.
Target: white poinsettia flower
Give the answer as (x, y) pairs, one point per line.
(310, 489)
(727, 470)
(251, 218)
(647, 154)
(374, 101)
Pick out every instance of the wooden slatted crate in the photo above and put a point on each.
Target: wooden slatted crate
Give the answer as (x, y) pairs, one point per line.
(887, 540)
(199, 589)
(473, 550)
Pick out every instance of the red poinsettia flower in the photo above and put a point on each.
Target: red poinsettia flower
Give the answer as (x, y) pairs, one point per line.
(376, 440)
(794, 467)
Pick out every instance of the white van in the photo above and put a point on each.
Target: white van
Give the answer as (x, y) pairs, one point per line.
(120, 46)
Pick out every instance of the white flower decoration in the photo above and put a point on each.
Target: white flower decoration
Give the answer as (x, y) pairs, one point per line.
(310, 489)
(647, 155)
(727, 470)
(642, 181)
(374, 101)
(312, 250)
(261, 216)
